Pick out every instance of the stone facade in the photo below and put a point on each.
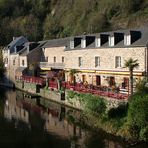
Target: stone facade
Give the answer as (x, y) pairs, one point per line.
(107, 66)
(57, 52)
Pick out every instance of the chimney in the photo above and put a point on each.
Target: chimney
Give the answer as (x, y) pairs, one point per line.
(15, 49)
(14, 38)
(28, 48)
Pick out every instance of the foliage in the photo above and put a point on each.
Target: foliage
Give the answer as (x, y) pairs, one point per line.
(138, 116)
(142, 86)
(46, 19)
(92, 104)
(2, 68)
(131, 65)
(119, 112)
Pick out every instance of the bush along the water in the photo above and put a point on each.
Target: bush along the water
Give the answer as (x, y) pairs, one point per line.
(90, 103)
(138, 116)
(128, 120)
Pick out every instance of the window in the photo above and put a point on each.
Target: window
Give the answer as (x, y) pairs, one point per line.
(111, 41)
(14, 62)
(54, 59)
(23, 62)
(83, 43)
(97, 42)
(117, 61)
(71, 44)
(62, 59)
(80, 61)
(46, 59)
(127, 40)
(97, 61)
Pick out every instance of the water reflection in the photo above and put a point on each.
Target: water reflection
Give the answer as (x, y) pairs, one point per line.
(37, 122)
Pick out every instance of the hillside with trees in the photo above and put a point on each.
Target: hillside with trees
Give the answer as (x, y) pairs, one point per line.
(47, 19)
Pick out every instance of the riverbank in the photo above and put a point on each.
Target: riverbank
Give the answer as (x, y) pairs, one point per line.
(88, 103)
(111, 115)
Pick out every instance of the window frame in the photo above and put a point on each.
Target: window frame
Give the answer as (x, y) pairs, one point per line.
(54, 59)
(80, 61)
(97, 61)
(111, 41)
(23, 62)
(117, 61)
(63, 59)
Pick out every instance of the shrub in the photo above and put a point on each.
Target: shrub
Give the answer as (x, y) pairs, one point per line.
(119, 112)
(138, 116)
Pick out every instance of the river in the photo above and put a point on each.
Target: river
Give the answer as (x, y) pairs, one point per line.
(40, 123)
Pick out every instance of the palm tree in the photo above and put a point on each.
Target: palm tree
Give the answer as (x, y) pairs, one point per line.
(131, 65)
(72, 75)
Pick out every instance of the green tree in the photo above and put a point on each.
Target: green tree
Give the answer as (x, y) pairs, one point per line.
(72, 75)
(138, 116)
(131, 65)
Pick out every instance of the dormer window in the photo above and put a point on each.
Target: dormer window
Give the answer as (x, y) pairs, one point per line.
(111, 41)
(83, 43)
(97, 42)
(127, 40)
(71, 44)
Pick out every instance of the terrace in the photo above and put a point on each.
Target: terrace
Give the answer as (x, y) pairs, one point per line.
(96, 90)
(103, 91)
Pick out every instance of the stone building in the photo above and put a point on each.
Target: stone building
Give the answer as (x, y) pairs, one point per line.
(99, 59)
(19, 55)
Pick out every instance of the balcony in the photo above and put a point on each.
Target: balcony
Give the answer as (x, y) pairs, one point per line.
(48, 66)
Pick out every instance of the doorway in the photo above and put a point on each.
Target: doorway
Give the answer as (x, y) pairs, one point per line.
(98, 80)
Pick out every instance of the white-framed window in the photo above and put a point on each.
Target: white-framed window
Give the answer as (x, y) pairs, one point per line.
(127, 40)
(13, 61)
(111, 41)
(71, 44)
(79, 61)
(97, 61)
(117, 61)
(23, 62)
(46, 59)
(97, 42)
(54, 59)
(63, 59)
(83, 43)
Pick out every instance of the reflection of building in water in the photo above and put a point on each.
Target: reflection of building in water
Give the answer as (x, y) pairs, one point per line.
(14, 110)
(112, 144)
(51, 118)
(56, 122)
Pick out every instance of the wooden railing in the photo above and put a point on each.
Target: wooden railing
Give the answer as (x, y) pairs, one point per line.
(96, 90)
(31, 79)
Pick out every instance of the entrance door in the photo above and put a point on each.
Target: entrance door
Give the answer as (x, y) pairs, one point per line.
(125, 82)
(98, 80)
(112, 81)
(83, 78)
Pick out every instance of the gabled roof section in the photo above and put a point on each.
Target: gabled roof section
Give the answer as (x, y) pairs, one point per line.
(56, 42)
(139, 38)
(17, 44)
(35, 46)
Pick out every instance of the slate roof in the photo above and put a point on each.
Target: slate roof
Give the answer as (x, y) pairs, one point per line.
(141, 41)
(56, 42)
(17, 42)
(25, 51)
